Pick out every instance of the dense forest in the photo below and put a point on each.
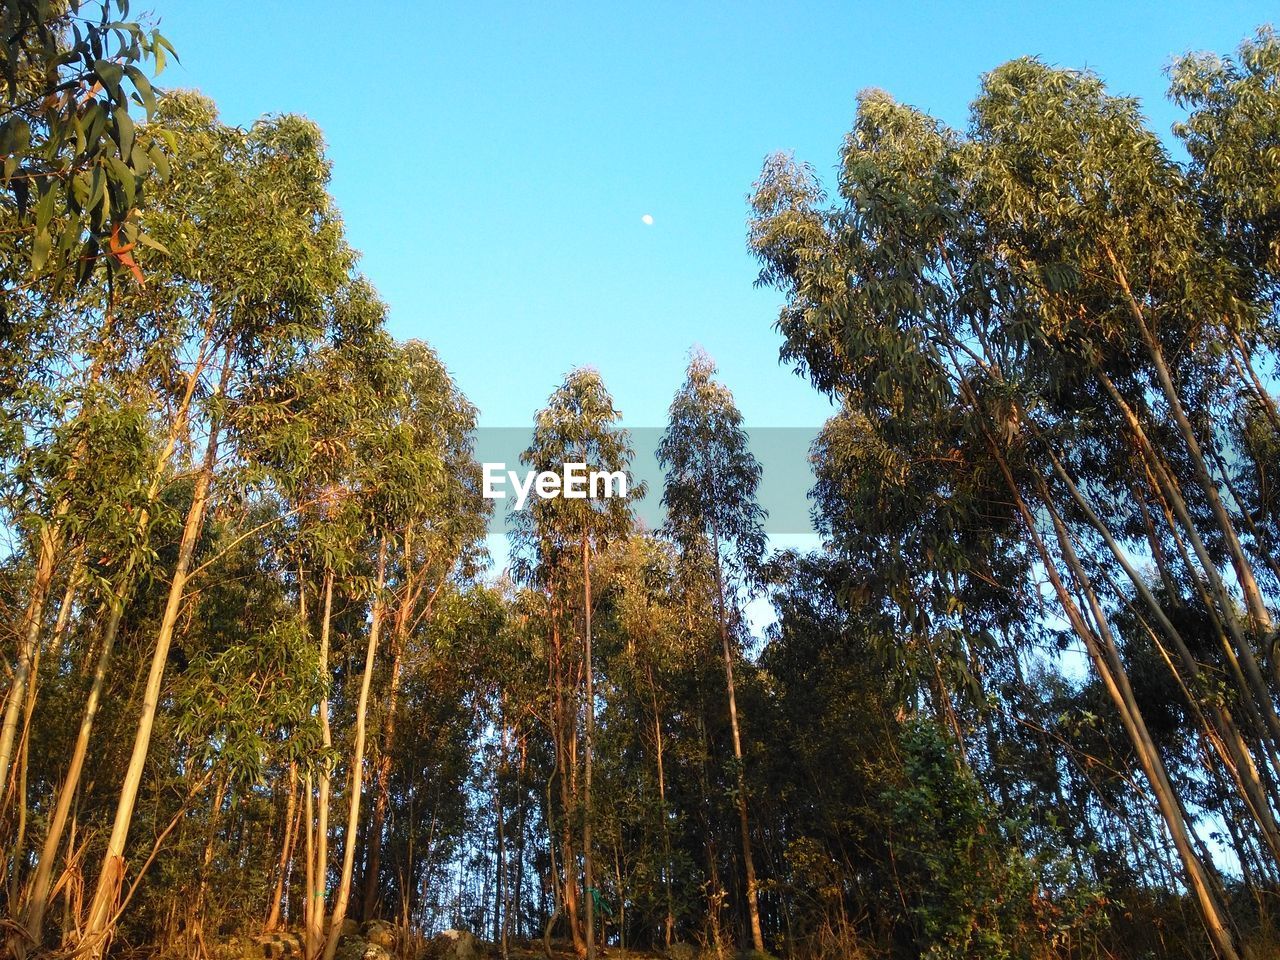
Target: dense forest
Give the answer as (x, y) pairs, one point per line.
(263, 684)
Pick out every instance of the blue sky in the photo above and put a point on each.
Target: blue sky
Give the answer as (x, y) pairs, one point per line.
(493, 161)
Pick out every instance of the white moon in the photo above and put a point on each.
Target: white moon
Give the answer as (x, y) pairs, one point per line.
(647, 220)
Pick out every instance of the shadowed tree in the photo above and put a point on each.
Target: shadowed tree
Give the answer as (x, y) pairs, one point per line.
(712, 513)
(558, 535)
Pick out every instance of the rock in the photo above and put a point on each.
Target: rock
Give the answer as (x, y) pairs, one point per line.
(275, 945)
(379, 932)
(269, 946)
(681, 951)
(358, 948)
(454, 945)
(350, 928)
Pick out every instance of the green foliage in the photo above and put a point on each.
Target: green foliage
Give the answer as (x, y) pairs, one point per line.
(1052, 349)
(76, 163)
(974, 890)
(711, 475)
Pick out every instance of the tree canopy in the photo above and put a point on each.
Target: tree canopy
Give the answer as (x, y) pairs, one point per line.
(263, 681)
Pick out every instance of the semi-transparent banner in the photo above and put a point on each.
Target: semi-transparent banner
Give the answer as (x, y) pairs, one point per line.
(783, 454)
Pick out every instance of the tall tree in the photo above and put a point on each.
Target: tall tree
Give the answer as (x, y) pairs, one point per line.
(1011, 296)
(560, 534)
(712, 513)
(270, 229)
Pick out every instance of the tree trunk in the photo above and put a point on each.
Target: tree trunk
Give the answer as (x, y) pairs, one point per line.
(286, 850)
(753, 904)
(1107, 663)
(318, 869)
(566, 717)
(101, 917)
(501, 911)
(50, 541)
(357, 766)
(668, 924)
(589, 730)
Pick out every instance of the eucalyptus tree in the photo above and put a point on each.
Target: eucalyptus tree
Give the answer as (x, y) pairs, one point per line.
(376, 459)
(327, 445)
(247, 293)
(559, 535)
(1236, 184)
(712, 513)
(1017, 293)
(436, 533)
(1145, 295)
(647, 613)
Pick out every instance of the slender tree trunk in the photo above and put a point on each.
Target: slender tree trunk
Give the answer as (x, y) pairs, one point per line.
(101, 912)
(589, 730)
(357, 765)
(516, 916)
(669, 922)
(60, 628)
(1244, 572)
(622, 900)
(753, 904)
(715, 891)
(564, 737)
(196, 910)
(318, 872)
(55, 655)
(286, 850)
(501, 910)
(1107, 663)
(1244, 363)
(308, 902)
(405, 621)
(382, 777)
(50, 541)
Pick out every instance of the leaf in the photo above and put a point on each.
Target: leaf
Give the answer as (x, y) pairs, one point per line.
(40, 250)
(44, 208)
(140, 159)
(146, 95)
(154, 244)
(15, 136)
(124, 255)
(159, 45)
(160, 161)
(124, 178)
(110, 74)
(124, 130)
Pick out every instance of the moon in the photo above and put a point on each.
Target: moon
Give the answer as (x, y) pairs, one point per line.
(647, 220)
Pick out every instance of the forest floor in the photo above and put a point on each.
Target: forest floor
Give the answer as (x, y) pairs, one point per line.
(564, 951)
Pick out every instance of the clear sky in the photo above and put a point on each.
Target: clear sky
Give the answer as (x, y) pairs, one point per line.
(493, 161)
